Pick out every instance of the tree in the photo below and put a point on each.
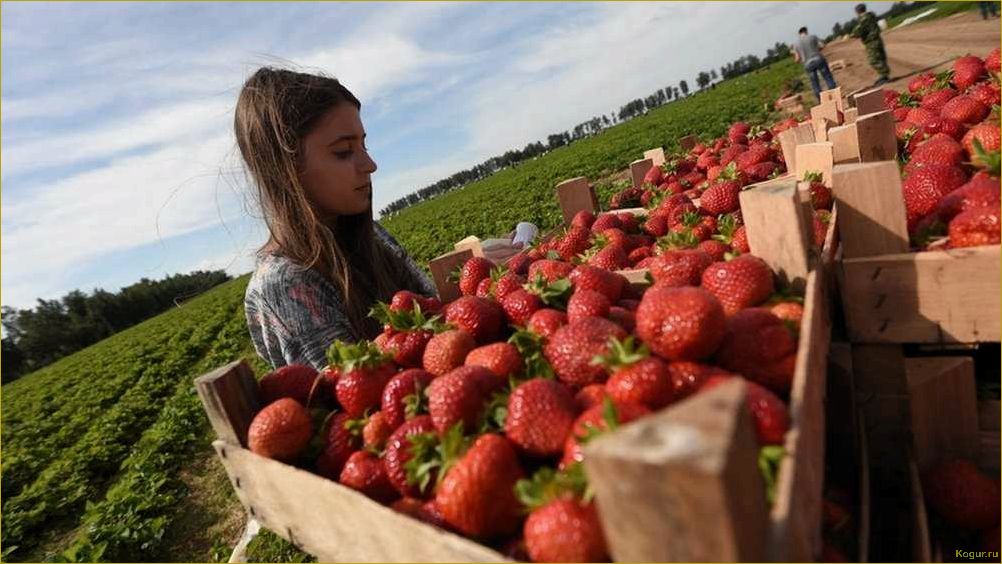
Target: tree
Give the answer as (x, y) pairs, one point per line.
(702, 80)
(713, 74)
(685, 87)
(837, 29)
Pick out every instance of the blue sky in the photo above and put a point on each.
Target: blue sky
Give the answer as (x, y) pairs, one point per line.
(118, 155)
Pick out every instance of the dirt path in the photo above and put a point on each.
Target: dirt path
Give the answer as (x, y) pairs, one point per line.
(915, 48)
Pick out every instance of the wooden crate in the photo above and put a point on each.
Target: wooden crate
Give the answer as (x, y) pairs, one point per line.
(893, 296)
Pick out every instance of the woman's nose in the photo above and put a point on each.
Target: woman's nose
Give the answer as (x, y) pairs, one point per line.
(368, 164)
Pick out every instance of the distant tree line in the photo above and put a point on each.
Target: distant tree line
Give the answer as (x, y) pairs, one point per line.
(896, 9)
(627, 111)
(56, 328)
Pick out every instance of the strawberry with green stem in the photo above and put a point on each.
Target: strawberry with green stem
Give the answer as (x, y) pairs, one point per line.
(364, 371)
(635, 375)
(596, 421)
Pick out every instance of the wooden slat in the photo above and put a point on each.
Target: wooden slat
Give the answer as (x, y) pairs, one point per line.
(790, 138)
(778, 229)
(688, 142)
(845, 144)
(921, 541)
(850, 115)
(944, 409)
(441, 268)
(988, 431)
(865, 499)
(683, 484)
(881, 382)
(833, 95)
(795, 534)
(333, 522)
(816, 157)
(638, 169)
(876, 138)
(472, 243)
(823, 117)
(657, 156)
(574, 195)
(229, 395)
(870, 101)
(871, 209)
(929, 297)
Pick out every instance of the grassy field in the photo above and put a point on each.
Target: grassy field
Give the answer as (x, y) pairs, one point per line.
(942, 10)
(106, 453)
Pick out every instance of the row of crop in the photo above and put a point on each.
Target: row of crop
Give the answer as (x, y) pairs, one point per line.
(47, 413)
(525, 192)
(130, 523)
(82, 471)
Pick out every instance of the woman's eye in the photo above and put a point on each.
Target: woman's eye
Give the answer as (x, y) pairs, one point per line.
(343, 154)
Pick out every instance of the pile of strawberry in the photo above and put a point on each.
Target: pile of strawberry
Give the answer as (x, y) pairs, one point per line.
(472, 415)
(690, 202)
(948, 131)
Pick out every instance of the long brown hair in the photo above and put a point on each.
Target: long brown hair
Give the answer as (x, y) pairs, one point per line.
(276, 109)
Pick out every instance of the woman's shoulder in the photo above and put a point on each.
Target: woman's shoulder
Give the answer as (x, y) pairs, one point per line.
(275, 274)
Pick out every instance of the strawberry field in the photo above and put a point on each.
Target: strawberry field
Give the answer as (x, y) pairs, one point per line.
(503, 423)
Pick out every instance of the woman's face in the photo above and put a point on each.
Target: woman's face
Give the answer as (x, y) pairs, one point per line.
(336, 165)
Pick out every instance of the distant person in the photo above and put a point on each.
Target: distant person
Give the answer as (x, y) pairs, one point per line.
(988, 9)
(868, 30)
(807, 51)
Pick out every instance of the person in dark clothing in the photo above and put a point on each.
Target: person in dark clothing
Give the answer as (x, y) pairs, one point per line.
(988, 9)
(868, 30)
(807, 51)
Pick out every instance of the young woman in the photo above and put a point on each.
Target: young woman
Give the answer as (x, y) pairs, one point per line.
(326, 262)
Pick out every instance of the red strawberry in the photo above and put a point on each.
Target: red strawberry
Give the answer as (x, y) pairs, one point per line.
(519, 264)
(484, 288)
(680, 323)
(680, 268)
(924, 187)
(474, 271)
(687, 377)
(281, 430)
(921, 116)
(583, 218)
(967, 70)
(587, 303)
(919, 83)
(901, 114)
(788, 311)
(377, 429)
(988, 93)
(565, 530)
(395, 405)
(291, 381)
(636, 376)
(739, 283)
(981, 191)
(571, 349)
(507, 284)
(761, 347)
(365, 472)
(965, 109)
(738, 128)
(740, 240)
(481, 318)
(551, 270)
(339, 444)
(365, 370)
(720, 198)
(611, 257)
(639, 254)
(415, 434)
(934, 101)
(963, 495)
(605, 221)
(975, 227)
(420, 509)
(447, 351)
(731, 153)
(821, 196)
(622, 317)
(405, 300)
(461, 396)
(407, 347)
(590, 396)
(519, 306)
(940, 149)
(654, 176)
(476, 496)
(545, 322)
(573, 243)
(503, 359)
(606, 416)
(992, 60)
(540, 415)
(763, 171)
(769, 413)
(585, 277)
(988, 136)
(716, 249)
(942, 125)
(656, 225)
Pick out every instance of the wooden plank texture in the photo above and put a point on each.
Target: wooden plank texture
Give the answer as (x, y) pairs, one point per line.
(657, 156)
(574, 195)
(870, 101)
(833, 95)
(682, 484)
(845, 144)
(944, 409)
(790, 138)
(229, 396)
(929, 297)
(876, 138)
(333, 522)
(778, 229)
(871, 209)
(442, 267)
(638, 169)
(815, 157)
(688, 142)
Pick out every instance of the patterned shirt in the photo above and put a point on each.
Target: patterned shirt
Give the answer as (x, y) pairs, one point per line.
(294, 313)
(867, 28)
